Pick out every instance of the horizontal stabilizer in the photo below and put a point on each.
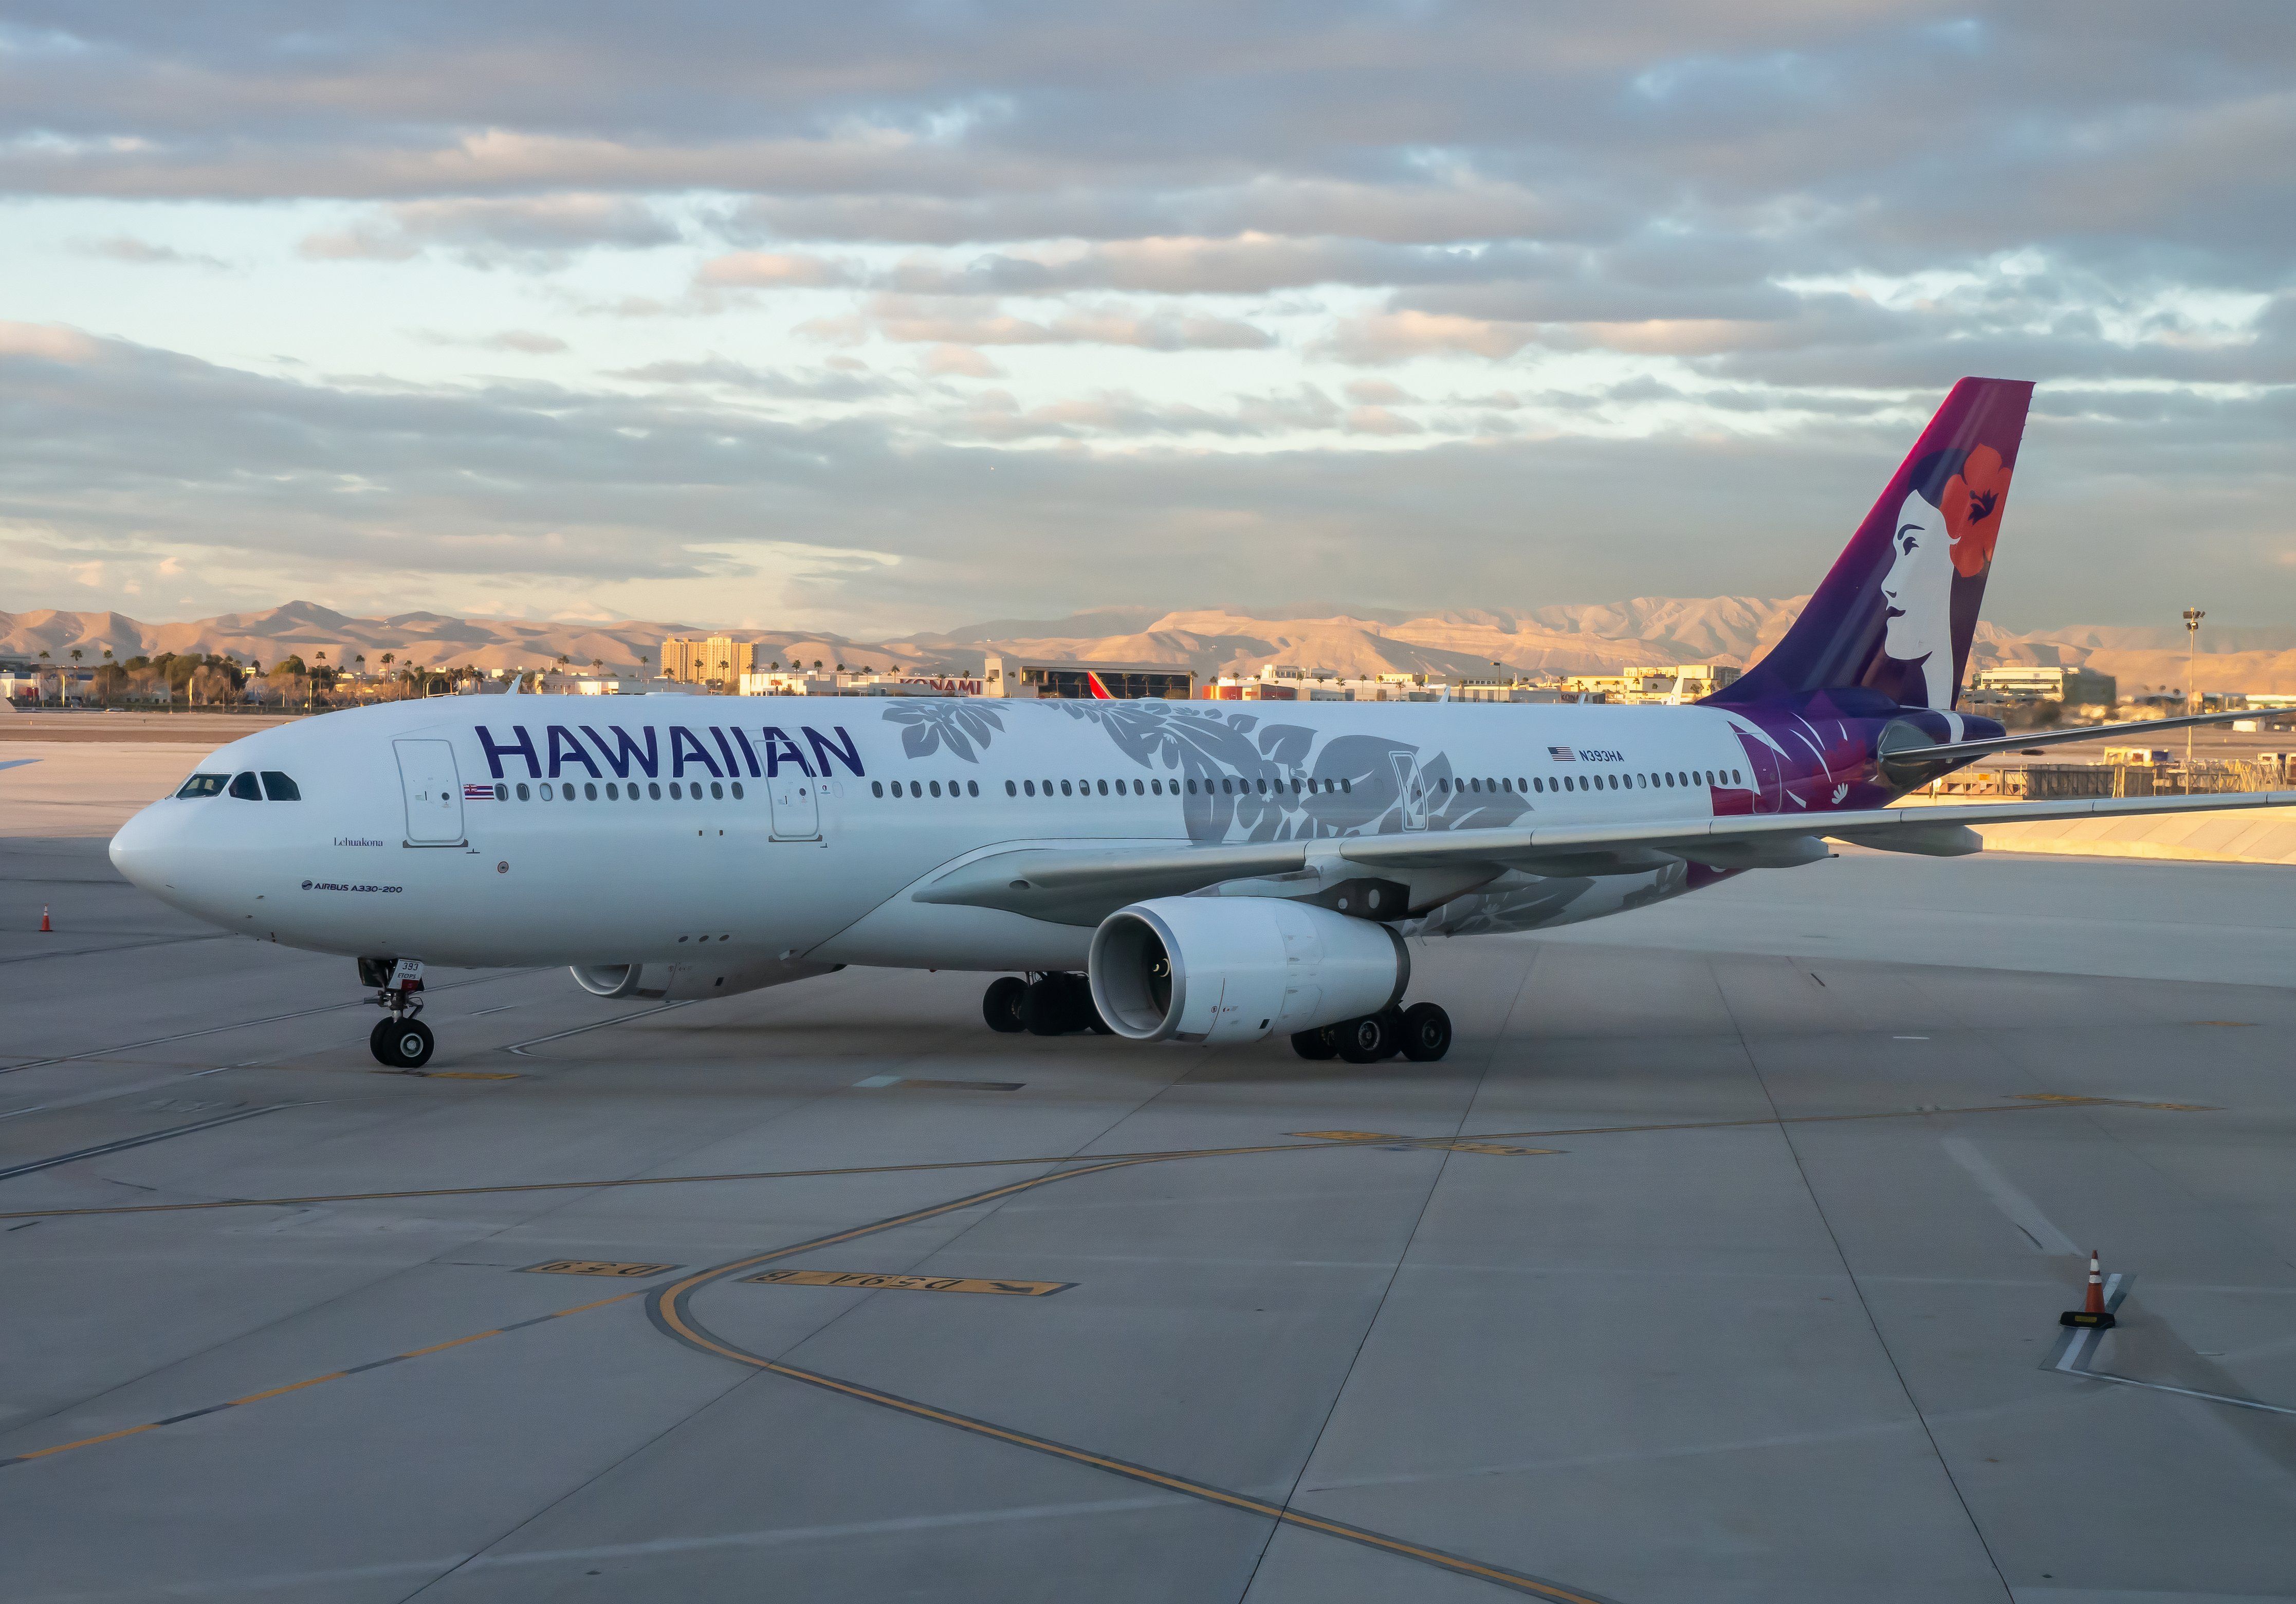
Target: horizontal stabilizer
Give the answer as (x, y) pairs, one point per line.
(1956, 752)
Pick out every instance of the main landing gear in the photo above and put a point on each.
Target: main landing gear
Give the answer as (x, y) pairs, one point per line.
(1057, 1003)
(402, 1041)
(1421, 1033)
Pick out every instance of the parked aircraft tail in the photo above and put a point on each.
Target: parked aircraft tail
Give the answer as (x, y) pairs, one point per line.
(1897, 612)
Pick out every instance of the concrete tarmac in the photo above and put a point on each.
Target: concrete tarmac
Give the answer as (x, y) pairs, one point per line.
(1719, 1261)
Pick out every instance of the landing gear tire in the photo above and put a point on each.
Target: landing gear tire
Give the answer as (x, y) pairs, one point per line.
(402, 1043)
(1426, 1032)
(1056, 1004)
(1315, 1044)
(1366, 1040)
(1000, 1005)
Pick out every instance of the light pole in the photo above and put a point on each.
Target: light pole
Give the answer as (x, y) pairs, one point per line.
(2192, 617)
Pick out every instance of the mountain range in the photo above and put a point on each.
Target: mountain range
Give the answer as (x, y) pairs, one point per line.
(1589, 638)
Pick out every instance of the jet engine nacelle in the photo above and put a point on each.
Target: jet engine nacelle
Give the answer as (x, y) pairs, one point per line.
(690, 981)
(1213, 969)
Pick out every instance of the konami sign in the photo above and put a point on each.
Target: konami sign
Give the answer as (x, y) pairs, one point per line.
(728, 754)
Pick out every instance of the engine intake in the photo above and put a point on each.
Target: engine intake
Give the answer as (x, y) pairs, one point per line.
(1215, 970)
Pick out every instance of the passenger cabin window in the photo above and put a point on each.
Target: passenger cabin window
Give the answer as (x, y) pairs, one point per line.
(203, 785)
(279, 788)
(242, 786)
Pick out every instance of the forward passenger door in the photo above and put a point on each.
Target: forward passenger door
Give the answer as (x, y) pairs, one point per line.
(433, 790)
(796, 801)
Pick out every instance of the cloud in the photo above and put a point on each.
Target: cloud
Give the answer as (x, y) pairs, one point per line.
(1379, 421)
(126, 248)
(488, 230)
(1384, 337)
(555, 492)
(530, 342)
(919, 320)
(959, 362)
(1755, 228)
(769, 270)
(839, 384)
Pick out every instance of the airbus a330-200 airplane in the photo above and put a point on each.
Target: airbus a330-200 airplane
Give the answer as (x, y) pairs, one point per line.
(1195, 871)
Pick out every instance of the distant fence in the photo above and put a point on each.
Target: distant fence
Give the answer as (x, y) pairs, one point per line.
(2052, 781)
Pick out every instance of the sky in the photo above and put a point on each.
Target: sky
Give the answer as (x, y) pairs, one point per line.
(879, 318)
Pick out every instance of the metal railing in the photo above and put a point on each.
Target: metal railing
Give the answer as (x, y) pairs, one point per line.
(2052, 781)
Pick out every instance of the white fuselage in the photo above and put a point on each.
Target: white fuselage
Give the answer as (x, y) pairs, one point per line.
(534, 829)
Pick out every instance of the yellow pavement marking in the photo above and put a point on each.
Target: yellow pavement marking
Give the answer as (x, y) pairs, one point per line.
(1447, 1144)
(1323, 1139)
(862, 1280)
(667, 1304)
(293, 1387)
(543, 1186)
(595, 1267)
(109, 1436)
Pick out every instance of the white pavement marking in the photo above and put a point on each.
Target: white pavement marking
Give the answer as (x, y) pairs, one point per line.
(520, 1047)
(2024, 1213)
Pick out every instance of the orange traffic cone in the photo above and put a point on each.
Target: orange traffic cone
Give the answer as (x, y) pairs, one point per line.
(2092, 1312)
(45, 927)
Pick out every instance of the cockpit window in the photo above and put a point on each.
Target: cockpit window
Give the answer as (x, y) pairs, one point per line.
(279, 788)
(242, 786)
(203, 785)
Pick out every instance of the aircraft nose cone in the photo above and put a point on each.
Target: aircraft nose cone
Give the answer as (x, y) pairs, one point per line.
(138, 850)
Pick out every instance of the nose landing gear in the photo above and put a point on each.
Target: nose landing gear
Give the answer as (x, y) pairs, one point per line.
(403, 1041)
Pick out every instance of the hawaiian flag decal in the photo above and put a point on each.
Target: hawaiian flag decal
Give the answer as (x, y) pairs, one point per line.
(1562, 754)
(478, 793)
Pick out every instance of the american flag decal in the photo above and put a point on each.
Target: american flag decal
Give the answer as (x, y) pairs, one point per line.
(478, 793)
(1562, 754)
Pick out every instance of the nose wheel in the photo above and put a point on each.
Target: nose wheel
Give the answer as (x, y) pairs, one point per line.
(401, 1044)
(401, 1041)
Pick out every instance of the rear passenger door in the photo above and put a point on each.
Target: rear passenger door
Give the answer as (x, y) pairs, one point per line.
(433, 790)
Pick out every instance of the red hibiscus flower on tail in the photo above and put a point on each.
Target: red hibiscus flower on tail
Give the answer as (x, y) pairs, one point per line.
(1972, 510)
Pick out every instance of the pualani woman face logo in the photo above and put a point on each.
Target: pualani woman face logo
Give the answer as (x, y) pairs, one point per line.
(1947, 525)
(1918, 590)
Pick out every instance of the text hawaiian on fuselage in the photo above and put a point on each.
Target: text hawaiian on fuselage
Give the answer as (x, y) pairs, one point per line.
(561, 749)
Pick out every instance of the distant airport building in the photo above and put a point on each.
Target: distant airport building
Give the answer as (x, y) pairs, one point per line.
(1682, 681)
(2035, 682)
(707, 659)
(1064, 679)
(784, 682)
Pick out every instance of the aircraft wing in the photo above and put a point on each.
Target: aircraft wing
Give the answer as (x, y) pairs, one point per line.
(1082, 885)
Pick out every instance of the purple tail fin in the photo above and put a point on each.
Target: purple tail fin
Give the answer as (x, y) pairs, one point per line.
(1898, 611)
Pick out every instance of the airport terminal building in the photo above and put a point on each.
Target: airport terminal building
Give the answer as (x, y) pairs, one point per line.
(1066, 679)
